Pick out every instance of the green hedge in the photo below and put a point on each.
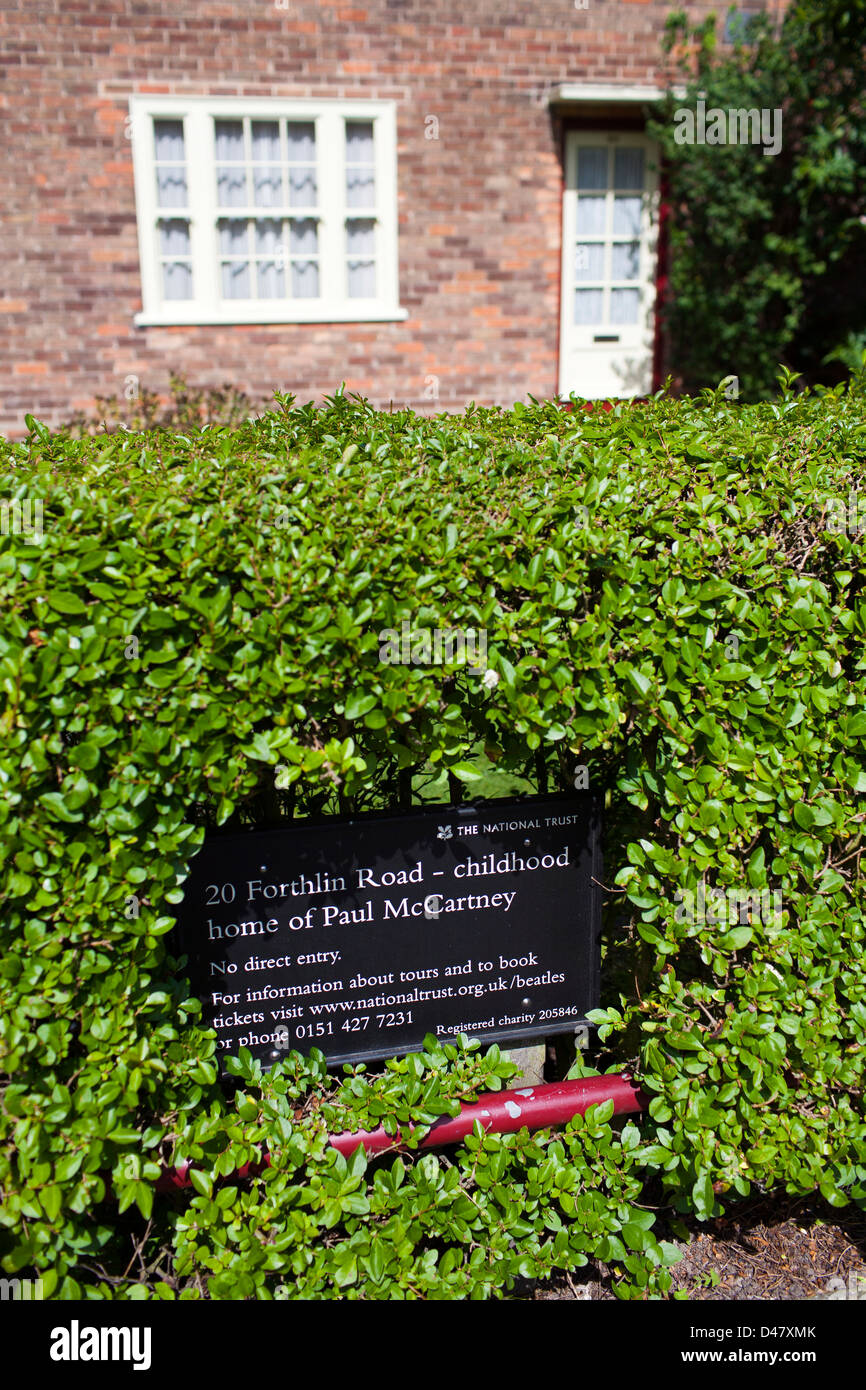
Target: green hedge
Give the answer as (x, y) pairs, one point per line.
(673, 596)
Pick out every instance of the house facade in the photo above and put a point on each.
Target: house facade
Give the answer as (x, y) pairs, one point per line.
(432, 202)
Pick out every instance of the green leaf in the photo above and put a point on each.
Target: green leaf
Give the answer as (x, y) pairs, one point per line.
(466, 772)
(144, 1199)
(202, 1182)
(51, 1199)
(641, 683)
(374, 1263)
(56, 804)
(358, 704)
(703, 1196)
(64, 601)
(735, 939)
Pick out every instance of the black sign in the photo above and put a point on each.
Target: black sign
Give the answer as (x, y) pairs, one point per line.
(359, 936)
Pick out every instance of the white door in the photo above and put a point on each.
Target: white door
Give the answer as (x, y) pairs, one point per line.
(609, 234)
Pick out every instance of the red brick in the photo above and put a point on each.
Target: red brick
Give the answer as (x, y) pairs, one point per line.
(479, 208)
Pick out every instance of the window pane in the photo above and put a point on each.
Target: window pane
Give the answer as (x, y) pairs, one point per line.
(625, 262)
(229, 140)
(231, 188)
(359, 142)
(360, 236)
(587, 306)
(361, 246)
(176, 280)
(266, 141)
(626, 216)
(267, 188)
(590, 215)
(589, 261)
(362, 279)
(233, 237)
(269, 235)
(168, 140)
(305, 279)
(302, 142)
(171, 186)
(304, 235)
(235, 280)
(174, 238)
(592, 167)
(360, 187)
(628, 168)
(624, 305)
(302, 188)
(360, 171)
(271, 280)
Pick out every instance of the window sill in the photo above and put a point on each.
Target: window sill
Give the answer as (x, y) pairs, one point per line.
(313, 313)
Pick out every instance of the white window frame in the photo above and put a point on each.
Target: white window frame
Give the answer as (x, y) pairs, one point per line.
(208, 306)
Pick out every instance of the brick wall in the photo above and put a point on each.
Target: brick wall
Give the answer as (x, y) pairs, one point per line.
(479, 208)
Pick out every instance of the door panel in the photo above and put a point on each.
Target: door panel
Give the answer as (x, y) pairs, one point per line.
(609, 235)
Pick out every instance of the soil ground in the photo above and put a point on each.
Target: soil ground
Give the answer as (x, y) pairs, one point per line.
(768, 1248)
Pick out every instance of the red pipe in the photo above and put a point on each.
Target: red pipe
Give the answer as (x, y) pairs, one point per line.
(536, 1107)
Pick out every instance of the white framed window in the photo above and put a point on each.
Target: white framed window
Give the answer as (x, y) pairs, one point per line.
(261, 211)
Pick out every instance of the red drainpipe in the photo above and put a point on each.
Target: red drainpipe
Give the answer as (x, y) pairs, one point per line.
(536, 1107)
